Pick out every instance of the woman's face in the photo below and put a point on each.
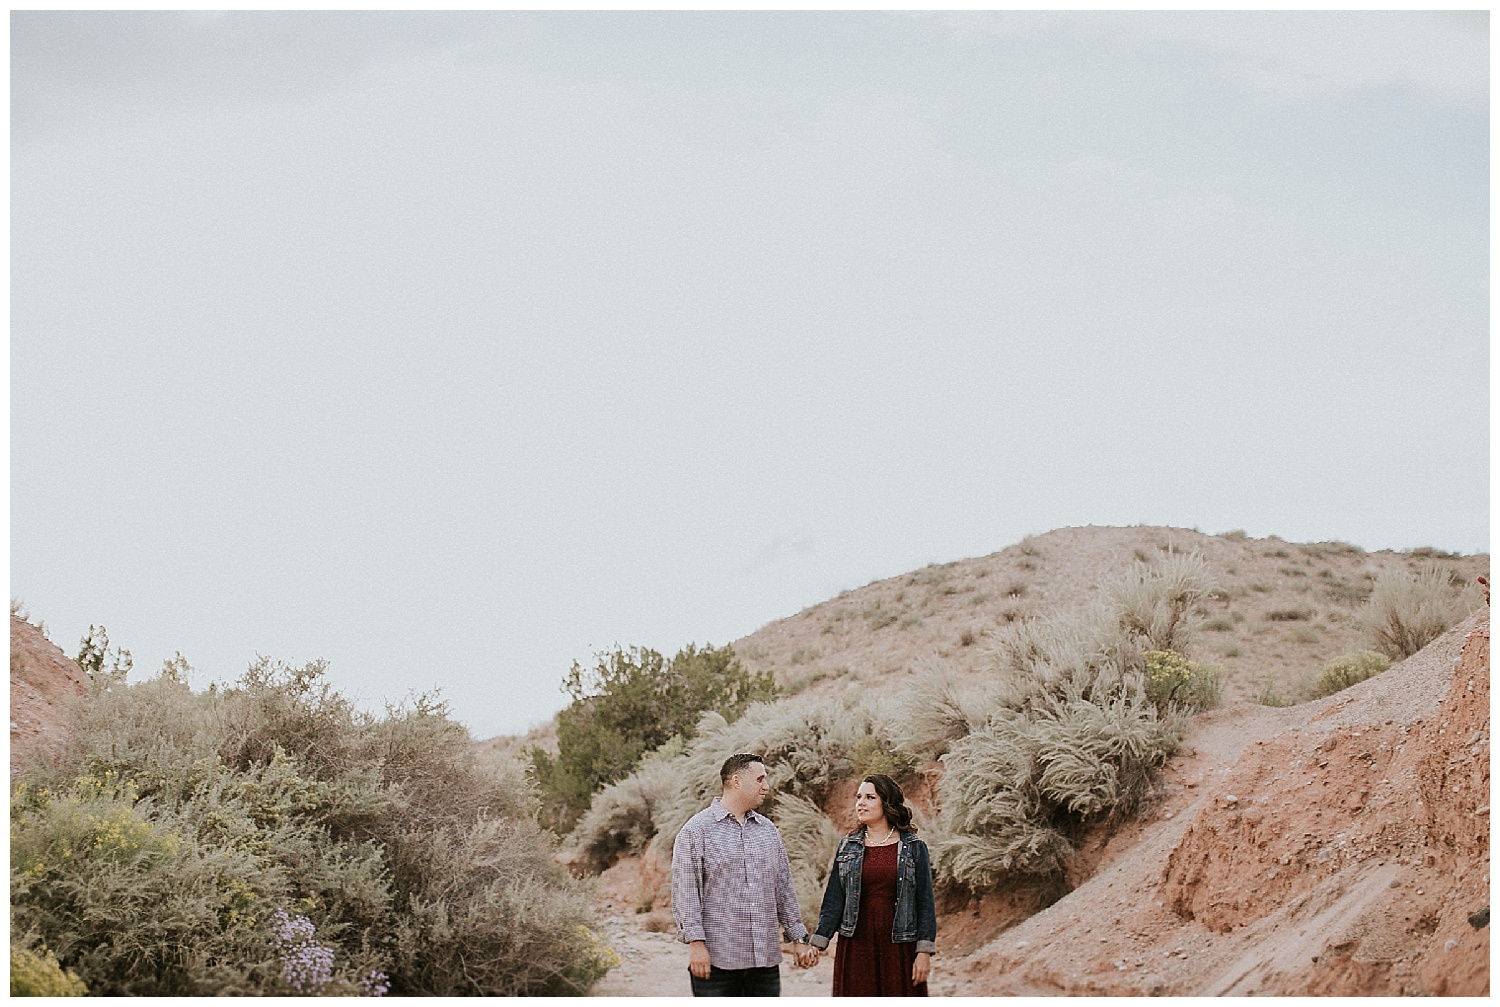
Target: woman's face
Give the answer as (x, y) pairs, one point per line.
(868, 807)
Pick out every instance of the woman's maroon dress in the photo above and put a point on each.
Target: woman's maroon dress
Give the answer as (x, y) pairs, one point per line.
(869, 964)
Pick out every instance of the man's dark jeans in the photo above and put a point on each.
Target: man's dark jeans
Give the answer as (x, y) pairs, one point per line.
(763, 982)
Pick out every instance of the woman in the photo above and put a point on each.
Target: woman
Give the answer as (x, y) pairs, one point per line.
(879, 900)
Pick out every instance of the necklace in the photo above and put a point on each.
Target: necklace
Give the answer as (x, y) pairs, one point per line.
(887, 838)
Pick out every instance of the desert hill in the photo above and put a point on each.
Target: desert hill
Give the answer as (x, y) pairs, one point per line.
(1280, 610)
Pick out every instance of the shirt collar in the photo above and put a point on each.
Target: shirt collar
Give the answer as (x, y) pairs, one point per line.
(721, 813)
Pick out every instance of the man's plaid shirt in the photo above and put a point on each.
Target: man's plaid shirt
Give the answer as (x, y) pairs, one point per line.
(732, 889)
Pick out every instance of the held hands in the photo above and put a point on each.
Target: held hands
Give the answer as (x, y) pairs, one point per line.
(920, 967)
(807, 956)
(698, 963)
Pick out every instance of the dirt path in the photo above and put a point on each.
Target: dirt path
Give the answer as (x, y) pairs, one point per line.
(655, 964)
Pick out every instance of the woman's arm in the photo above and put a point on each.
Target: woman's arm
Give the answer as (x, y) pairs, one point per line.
(925, 907)
(832, 912)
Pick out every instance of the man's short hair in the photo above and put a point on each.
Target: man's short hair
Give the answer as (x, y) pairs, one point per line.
(734, 764)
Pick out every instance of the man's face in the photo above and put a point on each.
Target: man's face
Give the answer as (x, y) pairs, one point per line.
(753, 784)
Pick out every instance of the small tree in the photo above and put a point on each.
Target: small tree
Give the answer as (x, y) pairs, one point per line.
(102, 668)
(630, 702)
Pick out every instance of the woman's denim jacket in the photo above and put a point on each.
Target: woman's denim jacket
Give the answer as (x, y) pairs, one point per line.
(916, 917)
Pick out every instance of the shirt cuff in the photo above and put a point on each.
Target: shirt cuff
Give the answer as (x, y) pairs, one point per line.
(688, 936)
(795, 934)
(819, 941)
(928, 946)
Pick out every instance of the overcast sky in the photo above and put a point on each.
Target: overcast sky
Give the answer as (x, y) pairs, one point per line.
(453, 348)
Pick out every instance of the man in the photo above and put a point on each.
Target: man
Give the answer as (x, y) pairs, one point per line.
(732, 894)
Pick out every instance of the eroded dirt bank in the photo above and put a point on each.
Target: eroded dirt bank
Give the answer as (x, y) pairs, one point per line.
(44, 683)
(1339, 854)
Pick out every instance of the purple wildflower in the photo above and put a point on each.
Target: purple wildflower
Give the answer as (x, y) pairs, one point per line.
(306, 966)
(376, 984)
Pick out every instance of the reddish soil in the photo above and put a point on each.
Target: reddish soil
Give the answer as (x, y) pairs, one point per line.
(44, 683)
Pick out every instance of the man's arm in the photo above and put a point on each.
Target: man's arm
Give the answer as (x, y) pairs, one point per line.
(687, 899)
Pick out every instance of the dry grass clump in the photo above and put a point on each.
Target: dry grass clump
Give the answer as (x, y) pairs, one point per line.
(938, 709)
(1407, 612)
(1082, 713)
(493, 916)
(624, 816)
(1151, 603)
(808, 747)
(811, 841)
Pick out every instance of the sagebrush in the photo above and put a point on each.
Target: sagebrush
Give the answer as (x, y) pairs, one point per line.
(154, 854)
(1080, 714)
(1406, 612)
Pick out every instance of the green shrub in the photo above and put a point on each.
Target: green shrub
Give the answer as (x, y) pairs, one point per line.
(872, 755)
(102, 668)
(1407, 612)
(629, 703)
(1173, 679)
(128, 897)
(37, 974)
(1349, 669)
